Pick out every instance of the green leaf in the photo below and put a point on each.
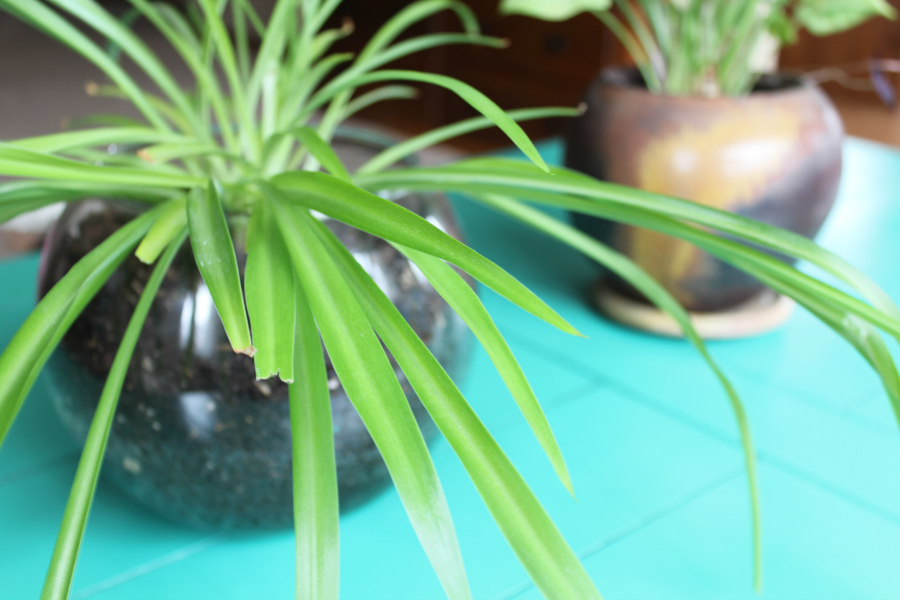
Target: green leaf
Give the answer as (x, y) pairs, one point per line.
(171, 221)
(476, 100)
(825, 17)
(860, 334)
(575, 191)
(316, 507)
(19, 162)
(751, 260)
(241, 40)
(17, 197)
(215, 26)
(268, 113)
(782, 27)
(272, 47)
(370, 383)
(380, 217)
(339, 89)
(322, 152)
(415, 12)
(425, 42)
(88, 138)
(552, 10)
(366, 63)
(535, 539)
(269, 285)
(326, 9)
(38, 336)
(163, 17)
(127, 19)
(397, 152)
(657, 294)
(125, 160)
(325, 39)
(464, 301)
(385, 92)
(304, 85)
(177, 22)
(58, 582)
(255, 20)
(833, 307)
(216, 261)
(870, 345)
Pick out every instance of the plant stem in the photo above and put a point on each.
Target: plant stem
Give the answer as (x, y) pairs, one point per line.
(646, 39)
(641, 58)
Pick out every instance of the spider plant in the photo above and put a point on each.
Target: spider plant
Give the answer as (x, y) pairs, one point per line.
(707, 47)
(252, 138)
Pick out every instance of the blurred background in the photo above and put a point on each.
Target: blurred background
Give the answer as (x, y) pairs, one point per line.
(551, 64)
(42, 86)
(546, 64)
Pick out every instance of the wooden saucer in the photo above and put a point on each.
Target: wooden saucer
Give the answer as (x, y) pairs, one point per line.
(762, 313)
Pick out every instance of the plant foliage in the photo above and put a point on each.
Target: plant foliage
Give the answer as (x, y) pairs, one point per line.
(253, 138)
(707, 47)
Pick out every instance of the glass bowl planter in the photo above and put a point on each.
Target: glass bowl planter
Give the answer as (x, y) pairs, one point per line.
(197, 438)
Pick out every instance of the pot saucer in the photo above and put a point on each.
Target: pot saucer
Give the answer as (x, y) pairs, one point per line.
(760, 314)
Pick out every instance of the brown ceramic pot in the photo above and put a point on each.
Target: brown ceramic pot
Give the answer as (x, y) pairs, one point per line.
(774, 156)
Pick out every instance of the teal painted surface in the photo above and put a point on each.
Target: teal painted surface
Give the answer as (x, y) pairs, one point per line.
(662, 507)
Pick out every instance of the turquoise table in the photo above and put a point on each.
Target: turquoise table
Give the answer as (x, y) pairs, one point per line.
(662, 507)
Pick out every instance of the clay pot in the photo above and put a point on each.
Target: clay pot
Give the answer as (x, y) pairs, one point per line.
(196, 437)
(774, 156)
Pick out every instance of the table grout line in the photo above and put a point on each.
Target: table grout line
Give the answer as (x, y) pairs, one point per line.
(558, 359)
(555, 401)
(773, 459)
(515, 417)
(661, 512)
(150, 566)
(828, 487)
(800, 394)
(806, 397)
(648, 401)
(852, 415)
(637, 396)
(714, 483)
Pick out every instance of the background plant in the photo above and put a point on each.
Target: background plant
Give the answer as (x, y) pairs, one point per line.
(707, 47)
(252, 139)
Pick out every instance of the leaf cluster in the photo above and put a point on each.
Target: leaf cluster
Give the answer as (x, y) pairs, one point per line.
(707, 47)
